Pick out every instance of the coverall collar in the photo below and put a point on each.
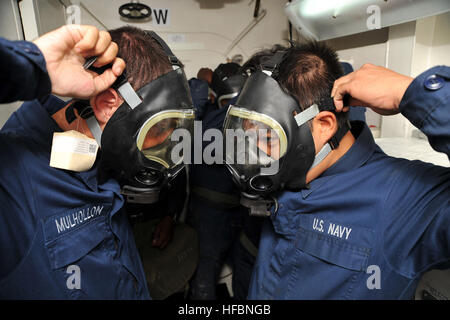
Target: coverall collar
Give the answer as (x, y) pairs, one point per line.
(40, 125)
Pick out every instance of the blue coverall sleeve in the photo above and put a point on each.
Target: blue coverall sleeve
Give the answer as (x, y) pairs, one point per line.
(23, 73)
(16, 196)
(417, 206)
(417, 218)
(427, 106)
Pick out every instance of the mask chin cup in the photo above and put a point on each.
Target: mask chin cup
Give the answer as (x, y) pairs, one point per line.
(259, 206)
(141, 195)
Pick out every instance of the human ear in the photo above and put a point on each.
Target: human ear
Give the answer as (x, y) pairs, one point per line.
(324, 127)
(105, 104)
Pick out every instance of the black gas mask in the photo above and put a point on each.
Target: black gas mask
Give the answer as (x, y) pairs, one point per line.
(269, 145)
(226, 87)
(136, 146)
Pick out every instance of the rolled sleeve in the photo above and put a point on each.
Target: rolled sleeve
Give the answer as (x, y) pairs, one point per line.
(426, 103)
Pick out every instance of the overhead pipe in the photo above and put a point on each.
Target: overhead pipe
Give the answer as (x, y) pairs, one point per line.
(246, 30)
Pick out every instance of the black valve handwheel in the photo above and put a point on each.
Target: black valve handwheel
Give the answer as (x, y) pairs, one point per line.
(135, 11)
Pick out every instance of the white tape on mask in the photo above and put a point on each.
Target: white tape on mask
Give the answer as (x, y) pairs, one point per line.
(307, 115)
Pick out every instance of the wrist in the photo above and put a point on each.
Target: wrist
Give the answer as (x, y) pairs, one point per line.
(40, 46)
(403, 85)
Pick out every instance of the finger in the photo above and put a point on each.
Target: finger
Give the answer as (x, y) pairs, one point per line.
(104, 81)
(335, 86)
(103, 43)
(108, 55)
(118, 66)
(89, 37)
(339, 82)
(339, 92)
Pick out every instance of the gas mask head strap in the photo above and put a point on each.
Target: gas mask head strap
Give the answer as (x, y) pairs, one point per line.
(270, 67)
(172, 58)
(310, 113)
(128, 94)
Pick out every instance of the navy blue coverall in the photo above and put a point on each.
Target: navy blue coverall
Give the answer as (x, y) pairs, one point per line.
(62, 234)
(371, 224)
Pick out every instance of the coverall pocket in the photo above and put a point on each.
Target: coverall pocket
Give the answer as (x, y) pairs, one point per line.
(71, 248)
(333, 251)
(330, 258)
(82, 253)
(342, 244)
(327, 267)
(70, 236)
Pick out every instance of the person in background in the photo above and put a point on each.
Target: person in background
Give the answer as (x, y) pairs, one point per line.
(206, 75)
(201, 91)
(214, 209)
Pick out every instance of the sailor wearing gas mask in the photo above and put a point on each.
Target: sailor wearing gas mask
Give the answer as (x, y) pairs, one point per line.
(63, 234)
(346, 220)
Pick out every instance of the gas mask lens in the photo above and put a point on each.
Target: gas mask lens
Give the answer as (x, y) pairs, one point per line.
(253, 140)
(266, 139)
(154, 138)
